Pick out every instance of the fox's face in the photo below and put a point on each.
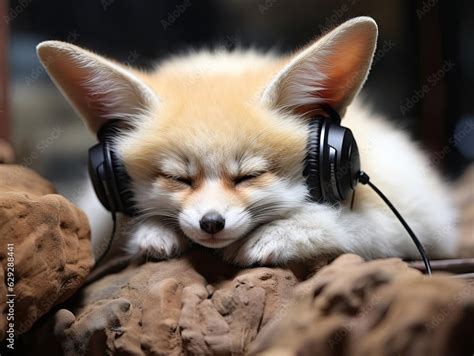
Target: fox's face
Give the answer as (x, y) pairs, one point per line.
(216, 172)
(214, 141)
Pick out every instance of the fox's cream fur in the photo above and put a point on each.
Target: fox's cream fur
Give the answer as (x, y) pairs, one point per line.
(226, 132)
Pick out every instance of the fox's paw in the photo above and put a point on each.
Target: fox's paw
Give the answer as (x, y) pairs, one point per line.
(267, 245)
(151, 239)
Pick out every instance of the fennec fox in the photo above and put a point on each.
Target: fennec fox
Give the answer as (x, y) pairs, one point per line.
(214, 142)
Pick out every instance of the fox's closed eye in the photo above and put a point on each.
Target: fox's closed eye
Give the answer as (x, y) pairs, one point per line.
(247, 177)
(181, 180)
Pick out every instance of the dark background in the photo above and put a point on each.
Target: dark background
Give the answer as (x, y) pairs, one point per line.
(417, 40)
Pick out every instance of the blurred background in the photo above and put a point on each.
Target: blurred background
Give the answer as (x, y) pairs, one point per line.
(422, 76)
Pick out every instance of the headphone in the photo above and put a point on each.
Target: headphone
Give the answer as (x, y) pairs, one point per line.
(331, 164)
(331, 170)
(332, 159)
(109, 177)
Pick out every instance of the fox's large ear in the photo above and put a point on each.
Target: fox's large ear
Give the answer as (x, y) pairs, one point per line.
(99, 89)
(331, 70)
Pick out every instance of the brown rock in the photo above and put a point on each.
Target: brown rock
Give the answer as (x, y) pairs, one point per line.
(51, 247)
(375, 308)
(198, 305)
(195, 305)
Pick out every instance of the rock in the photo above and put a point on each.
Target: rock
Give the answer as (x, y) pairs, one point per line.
(380, 307)
(50, 240)
(198, 305)
(195, 305)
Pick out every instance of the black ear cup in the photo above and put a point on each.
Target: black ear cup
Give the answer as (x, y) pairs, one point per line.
(332, 161)
(340, 164)
(108, 175)
(311, 169)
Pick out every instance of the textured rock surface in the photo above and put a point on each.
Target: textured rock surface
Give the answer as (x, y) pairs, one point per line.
(382, 307)
(195, 304)
(51, 245)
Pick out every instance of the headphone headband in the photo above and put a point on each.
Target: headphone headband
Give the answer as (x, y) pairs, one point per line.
(333, 114)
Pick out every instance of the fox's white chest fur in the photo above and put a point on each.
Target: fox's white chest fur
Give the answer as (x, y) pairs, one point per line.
(215, 142)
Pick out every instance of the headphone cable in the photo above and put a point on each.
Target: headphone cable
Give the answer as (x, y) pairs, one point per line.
(365, 179)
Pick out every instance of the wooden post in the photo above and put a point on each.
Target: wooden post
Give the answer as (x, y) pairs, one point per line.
(433, 104)
(4, 107)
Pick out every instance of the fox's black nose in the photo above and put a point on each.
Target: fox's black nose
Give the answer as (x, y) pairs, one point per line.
(212, 222)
